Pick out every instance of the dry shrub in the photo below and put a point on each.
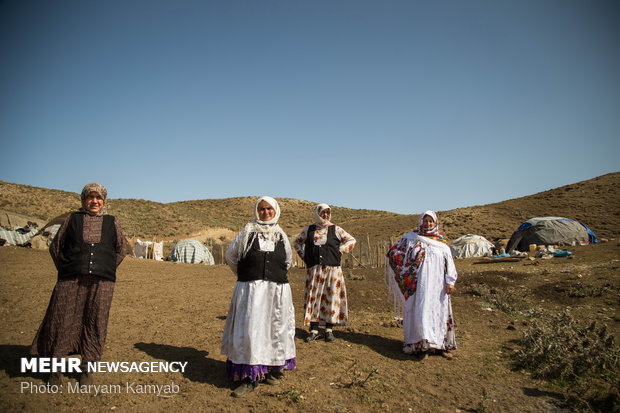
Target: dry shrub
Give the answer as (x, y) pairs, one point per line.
(356, 377)
(505, 299)
(582, 290)
(294, 396)
(583, 359)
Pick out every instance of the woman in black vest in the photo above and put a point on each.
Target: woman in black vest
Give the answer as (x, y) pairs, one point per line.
(87, 249)
(259, 335)
(320, 246)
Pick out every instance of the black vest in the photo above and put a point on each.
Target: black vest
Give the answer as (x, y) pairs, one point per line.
(327, 254)
(77, 257)
(263, 265)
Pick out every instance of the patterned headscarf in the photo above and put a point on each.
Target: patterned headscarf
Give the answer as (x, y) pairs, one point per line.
(318, 220)
(98, 188)
(433, 232)
(269, 230)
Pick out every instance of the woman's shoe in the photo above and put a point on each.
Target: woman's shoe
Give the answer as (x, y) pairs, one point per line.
(277, 374)
(244, 388)
(329, 337)
(313, 336)
(446, 354)
(271, 379)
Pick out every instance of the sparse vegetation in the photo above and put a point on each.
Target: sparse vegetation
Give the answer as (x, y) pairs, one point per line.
(354, 377)
(583, 359)
(582, 290)
(506, 299)
(181, 310)
(294, 396)
(148, 219)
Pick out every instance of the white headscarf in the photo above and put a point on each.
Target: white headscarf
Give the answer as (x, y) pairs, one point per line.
(318, 220)
(269, 230)
(274, 205)
(431, 214)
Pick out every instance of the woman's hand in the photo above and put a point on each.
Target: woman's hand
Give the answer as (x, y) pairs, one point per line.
(450, 289)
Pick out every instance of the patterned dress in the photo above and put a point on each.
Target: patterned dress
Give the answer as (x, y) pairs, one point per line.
(418, 270)
(325, 297)
(76, 321)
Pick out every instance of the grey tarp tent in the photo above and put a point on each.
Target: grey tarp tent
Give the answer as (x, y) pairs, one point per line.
(549, 231)
(471, 245)
(192, 252)
(48, 232)
(18, 236)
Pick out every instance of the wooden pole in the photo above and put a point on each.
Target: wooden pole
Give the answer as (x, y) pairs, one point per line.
(369, 262)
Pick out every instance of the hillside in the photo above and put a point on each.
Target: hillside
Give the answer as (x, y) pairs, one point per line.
(166, 311)
(595, 202)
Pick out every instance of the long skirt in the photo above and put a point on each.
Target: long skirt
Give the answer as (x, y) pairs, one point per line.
(259, 335)
(429, 327)
(76, 321)
(325, 296)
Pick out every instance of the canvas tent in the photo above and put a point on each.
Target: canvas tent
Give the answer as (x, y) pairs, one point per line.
(192, 252)
(53, 225)
(44, 239)
(149, 249)
(471, 245)
(19, 236)
(550, 231)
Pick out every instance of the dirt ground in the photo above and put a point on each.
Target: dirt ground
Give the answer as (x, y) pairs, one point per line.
(166, 311)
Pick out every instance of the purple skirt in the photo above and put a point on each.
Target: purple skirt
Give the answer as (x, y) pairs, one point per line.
(238, 372)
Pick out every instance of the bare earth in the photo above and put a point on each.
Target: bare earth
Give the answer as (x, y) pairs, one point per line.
(164, 311)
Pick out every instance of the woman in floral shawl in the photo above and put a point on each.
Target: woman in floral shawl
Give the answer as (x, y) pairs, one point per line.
(421, 276)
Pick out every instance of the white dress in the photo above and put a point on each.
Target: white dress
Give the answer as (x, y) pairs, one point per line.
(260, 326)
(427, 313)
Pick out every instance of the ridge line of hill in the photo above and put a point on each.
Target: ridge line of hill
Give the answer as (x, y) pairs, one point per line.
(596, 202)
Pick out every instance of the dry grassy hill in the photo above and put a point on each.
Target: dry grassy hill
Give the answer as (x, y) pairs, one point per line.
(595, 202)
(571, 305)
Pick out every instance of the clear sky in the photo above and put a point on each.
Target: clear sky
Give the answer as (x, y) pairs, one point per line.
(392, 105)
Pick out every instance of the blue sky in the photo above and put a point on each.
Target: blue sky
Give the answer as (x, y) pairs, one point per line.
(392, 105)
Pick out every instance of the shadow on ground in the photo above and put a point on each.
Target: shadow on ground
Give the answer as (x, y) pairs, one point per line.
(200, 368)
(10, 361)
(387, 347)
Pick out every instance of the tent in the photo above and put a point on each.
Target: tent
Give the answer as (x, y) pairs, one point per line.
(149, 249)
(550, 231)
(19, 236)
(471, 245)
(53, 225)
(192, 252)
(44, 239)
